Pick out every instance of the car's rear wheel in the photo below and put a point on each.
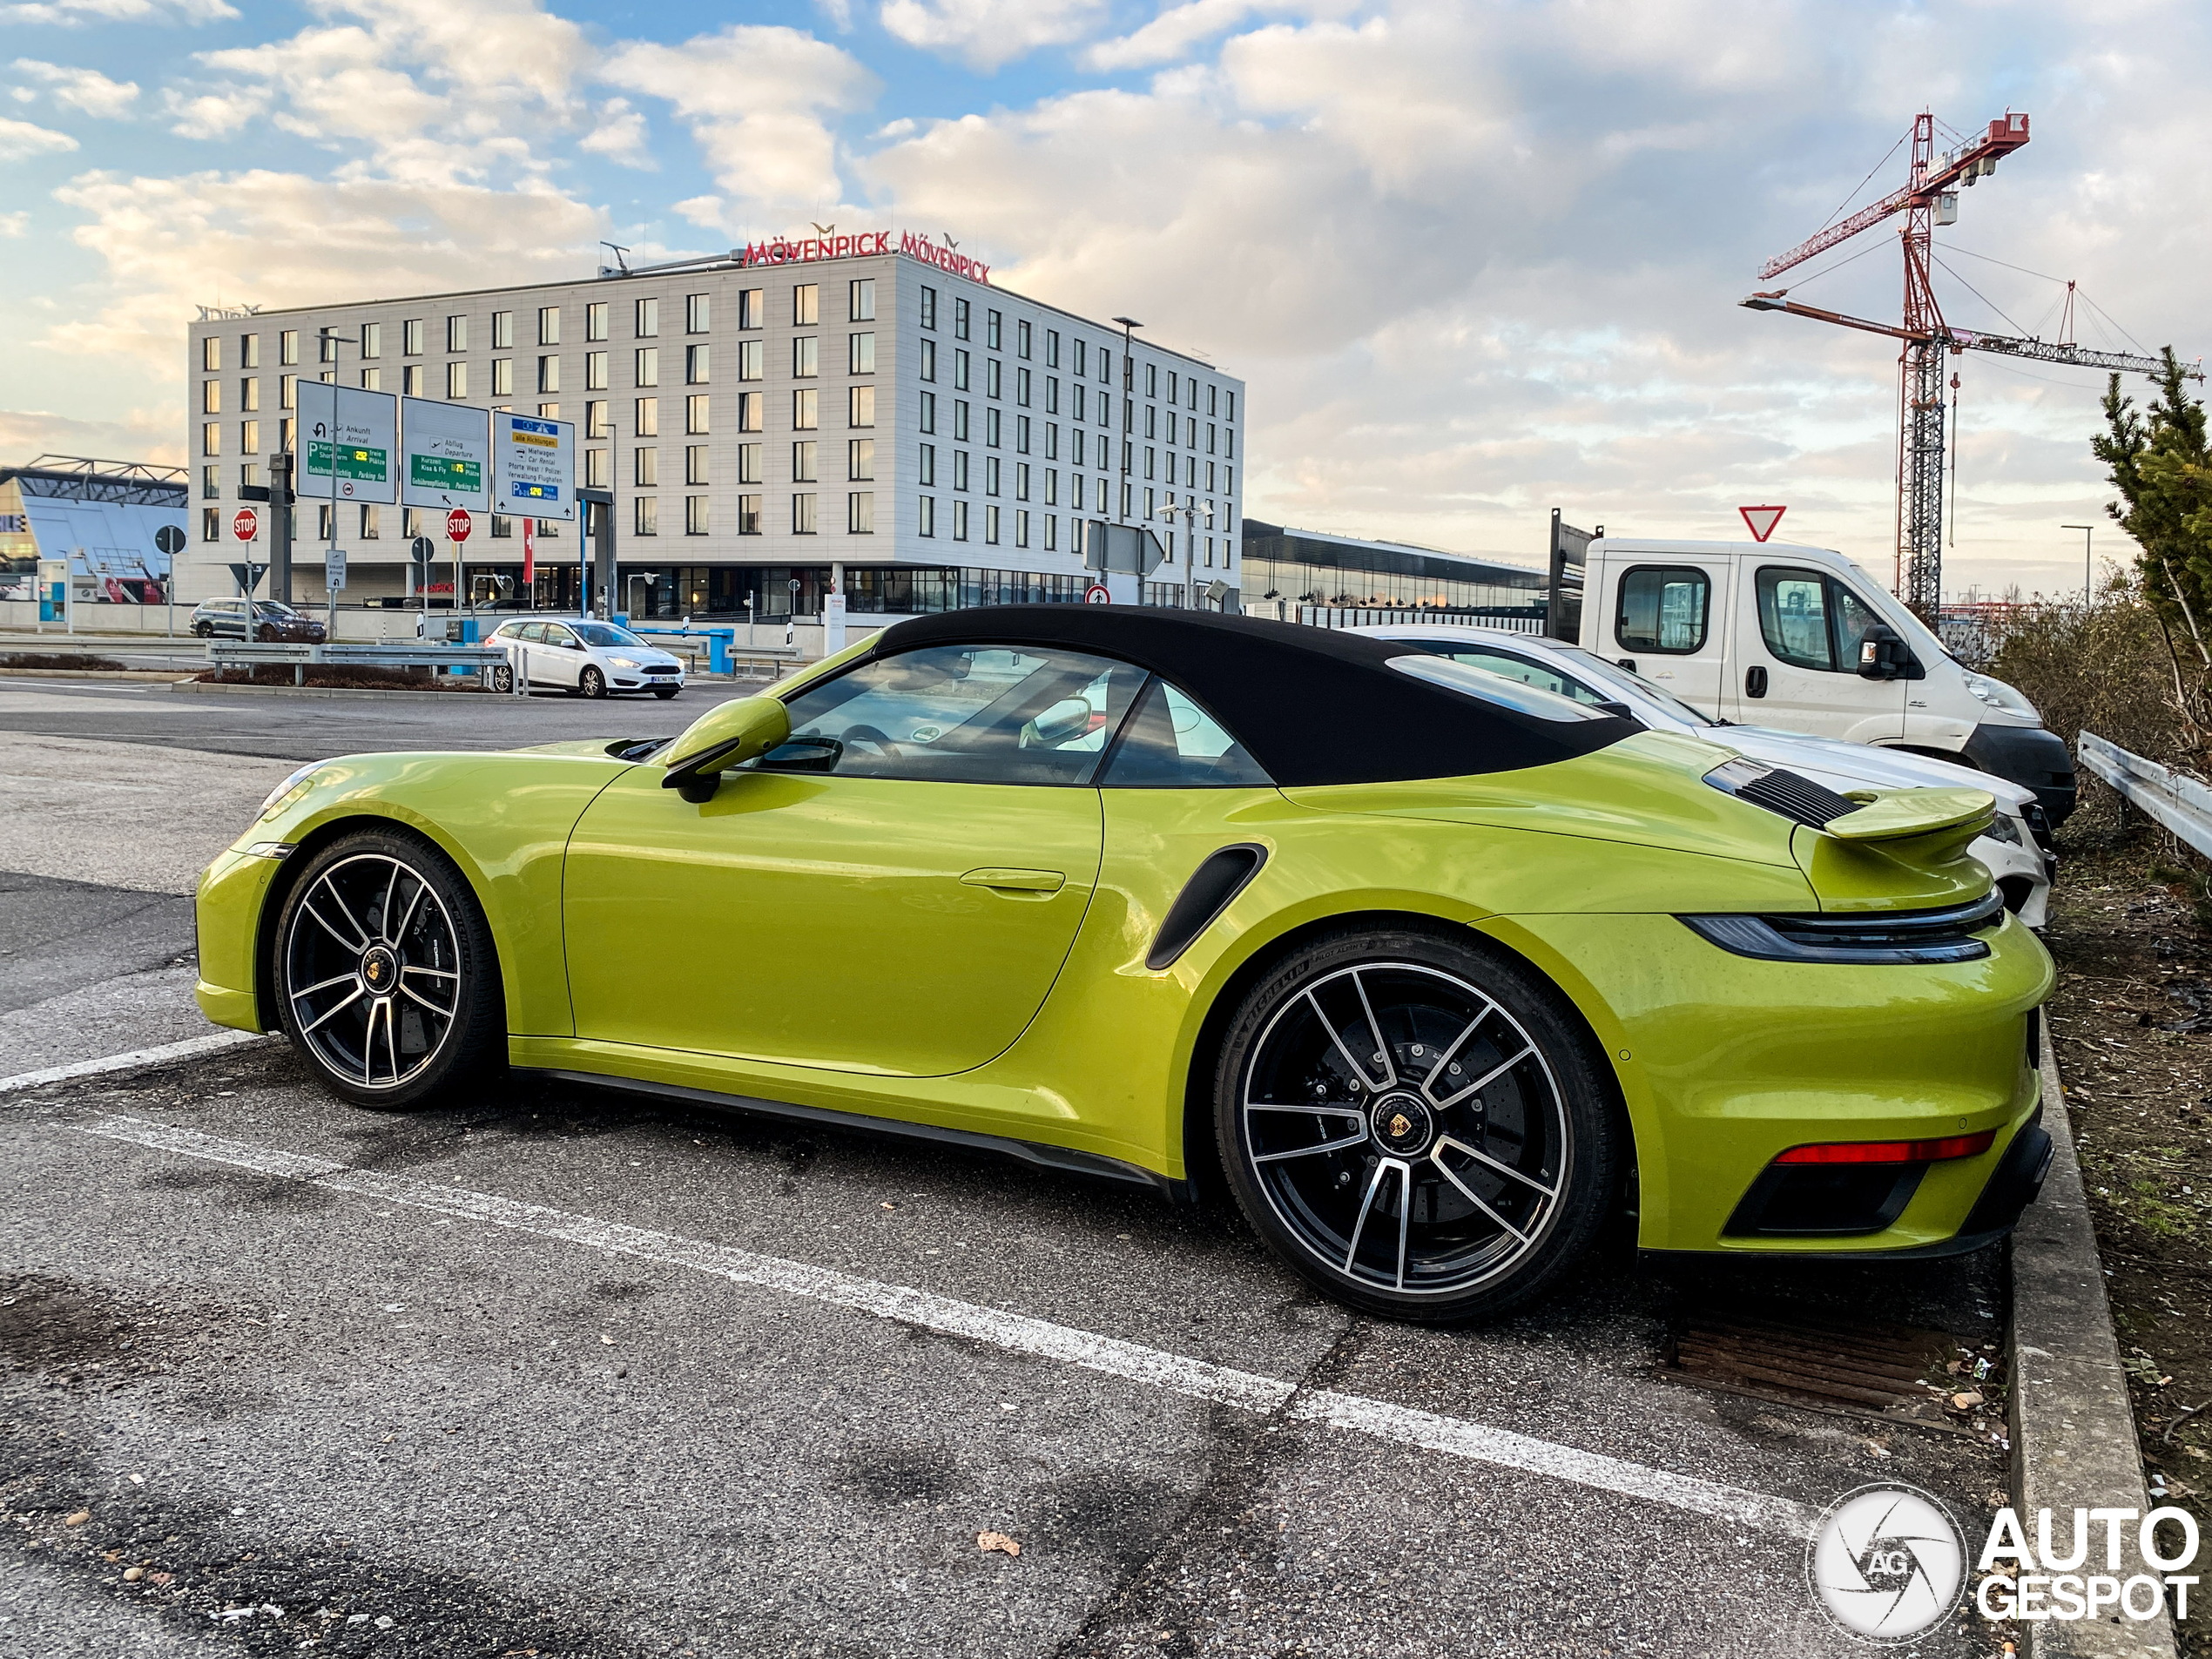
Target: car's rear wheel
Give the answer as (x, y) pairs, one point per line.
(591, 681)
(387, 979)
(265, 634)
(1416, 1125)
(502, 678)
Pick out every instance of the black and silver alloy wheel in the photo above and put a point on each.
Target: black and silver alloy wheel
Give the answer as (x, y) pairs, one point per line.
(1413, 1126)
(384, 970)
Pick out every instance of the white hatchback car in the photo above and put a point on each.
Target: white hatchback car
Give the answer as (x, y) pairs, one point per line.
(2020, 868)
(578, 654)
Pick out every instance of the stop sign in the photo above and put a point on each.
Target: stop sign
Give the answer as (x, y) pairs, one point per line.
(458, 524)
(245, 523)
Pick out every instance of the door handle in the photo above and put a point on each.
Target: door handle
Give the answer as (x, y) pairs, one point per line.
(1016, 880)
(1754, 681)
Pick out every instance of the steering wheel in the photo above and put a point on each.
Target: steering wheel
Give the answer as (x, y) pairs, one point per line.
(869, 734)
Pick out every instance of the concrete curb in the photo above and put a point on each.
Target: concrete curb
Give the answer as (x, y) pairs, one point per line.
(9, 673)
(2074, 1429)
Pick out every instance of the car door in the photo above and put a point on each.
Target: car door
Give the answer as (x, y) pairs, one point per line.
(563, 653)
(1670, 623)
(1801, 628)
(892, 891)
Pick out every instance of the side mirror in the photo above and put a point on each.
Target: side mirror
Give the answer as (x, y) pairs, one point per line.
(722, 738)
(1619, 710)
(1881, 653)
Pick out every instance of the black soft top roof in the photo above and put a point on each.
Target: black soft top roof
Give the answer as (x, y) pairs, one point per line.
(1310, 705)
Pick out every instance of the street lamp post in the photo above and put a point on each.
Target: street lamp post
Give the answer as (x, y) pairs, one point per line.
(2089, 535)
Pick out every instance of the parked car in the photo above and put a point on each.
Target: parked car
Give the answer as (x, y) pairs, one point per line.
(580, 655)
(1421, 963)
(2011, 847)
(266, 620)
(1800, 637)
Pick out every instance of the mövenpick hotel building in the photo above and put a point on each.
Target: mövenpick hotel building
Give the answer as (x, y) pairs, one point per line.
(864, 409)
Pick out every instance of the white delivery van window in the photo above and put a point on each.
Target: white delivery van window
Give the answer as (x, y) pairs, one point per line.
(1810, 620)
(1664, 609)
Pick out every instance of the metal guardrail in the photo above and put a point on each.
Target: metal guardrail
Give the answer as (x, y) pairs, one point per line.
(1372, 616)
(2177, 803)
(235, 653)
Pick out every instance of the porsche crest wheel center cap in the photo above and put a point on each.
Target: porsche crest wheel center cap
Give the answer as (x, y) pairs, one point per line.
(379, 971)
(1402, 1125)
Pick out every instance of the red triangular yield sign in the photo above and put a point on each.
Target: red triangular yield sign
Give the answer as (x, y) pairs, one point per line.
(1761, 520)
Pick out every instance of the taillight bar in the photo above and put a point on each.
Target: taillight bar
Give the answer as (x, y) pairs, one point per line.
(1950, 1146)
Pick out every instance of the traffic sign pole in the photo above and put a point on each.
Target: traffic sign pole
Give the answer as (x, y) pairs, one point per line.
(280, 527)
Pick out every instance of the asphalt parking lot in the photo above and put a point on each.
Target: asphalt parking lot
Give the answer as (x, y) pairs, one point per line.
(564, 1371)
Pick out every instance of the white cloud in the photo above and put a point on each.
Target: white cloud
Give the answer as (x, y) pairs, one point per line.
(152, 435)
(621, 135)
(84, 88)
(758, 101)
(1176, 30)
(986, 33)
(14, 224)
(22, 138)
(83, 11)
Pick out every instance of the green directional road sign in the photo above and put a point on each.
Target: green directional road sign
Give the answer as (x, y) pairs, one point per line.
(356, 462)
(435, 472)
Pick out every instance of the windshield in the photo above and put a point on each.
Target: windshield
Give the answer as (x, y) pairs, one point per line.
(1590, 663)
(605, 633)
(1494, 688)
(271, 608)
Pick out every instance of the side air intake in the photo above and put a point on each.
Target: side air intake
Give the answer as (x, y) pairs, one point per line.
(1206, 895)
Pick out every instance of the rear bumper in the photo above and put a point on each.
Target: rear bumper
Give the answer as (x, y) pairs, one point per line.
(2030, 756)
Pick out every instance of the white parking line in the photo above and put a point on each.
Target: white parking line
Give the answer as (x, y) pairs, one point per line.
(1014, 1333)
(136, 1060)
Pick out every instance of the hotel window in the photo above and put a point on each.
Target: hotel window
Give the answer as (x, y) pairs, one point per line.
(860, 353)
(748, 514)
(990, 475)
(1076, 491)
(330, 377)
(249, 350)
(1151, 506)
(595, 320)
(456, 381)
(695, 364)
(457, 334)
(645, 468)
(645, 512)
(860, 509)
(1076, 362)
(1052, 395)
(598, 419)
(1022, 480)
(927, 412)
(749, 463)
(991, 525)
(548, 411)
(646, 417)
(370, 530)
(1021, 530)
(1190, 428)
(1151, 379)
(211, 397)
(991, 427)
(249, 438)
(805, 304)
(806, 409)
(502, 527)
(991, 330)
(1212, 394)
(1229, 481)
(1210, 437)
(860, 459)
(1076, 445)
(928, 308)
(959, 371)
(1175, 383)
(549, 374)
(1051, 490)
(1022, 386)
(993, 383)
(960, 521)
(548, 326)
(959, 419)
(960, 319)
(805, 357)
(959, 470)
(210, 483)
(752, 307)
(695, 414)
(861, 295)
(210, 353)
(803, 456)
(929, 360)
(752, 411)
(211, 524)
(1051, 441)
(695, 462)
(1076, 401)
(697, 312)
(1022, 434)
(697, 519)
(751, 359)
(802, 515)
(1152, 421)
(502, 377)
(1229, 406)
(284, 438)
(325, 522)
(645, 320)
(1022, 338)
(928, 515)
(288, 345)
(594, 371)
(926, 468)
(648, 365)
(859, 405)
(1210, 475)
(1229, 441)
(1052, 348)
(411, 336)
(412, 380)
(1051, 531)
(1150, 452)
(598, 468)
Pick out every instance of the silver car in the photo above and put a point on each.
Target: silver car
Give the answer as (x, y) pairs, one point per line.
(583, 656)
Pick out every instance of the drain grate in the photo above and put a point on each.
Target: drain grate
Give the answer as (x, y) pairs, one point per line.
(1861, 1367)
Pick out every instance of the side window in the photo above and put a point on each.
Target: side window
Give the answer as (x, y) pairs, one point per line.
(1851, 618)
(1171, 743)
(557, 635)
(1793, 618)
(1520, 668)
(1663, 609)
(975, 714)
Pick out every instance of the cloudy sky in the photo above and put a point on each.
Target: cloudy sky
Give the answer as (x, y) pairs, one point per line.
(1475, 260)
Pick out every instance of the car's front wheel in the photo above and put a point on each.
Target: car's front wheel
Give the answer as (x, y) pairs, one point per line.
(1416, 1125)
(387, 978)
(204, 630)
(591, 681)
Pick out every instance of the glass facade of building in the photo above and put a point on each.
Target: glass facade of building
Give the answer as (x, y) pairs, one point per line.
(1311, 568)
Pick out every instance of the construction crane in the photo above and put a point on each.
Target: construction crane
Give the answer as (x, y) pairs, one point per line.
(1928, 198)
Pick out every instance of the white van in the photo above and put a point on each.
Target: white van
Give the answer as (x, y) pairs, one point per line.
(1800, 637)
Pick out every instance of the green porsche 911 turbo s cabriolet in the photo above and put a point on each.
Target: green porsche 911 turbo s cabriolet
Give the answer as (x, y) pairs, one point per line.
(1430, 967)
